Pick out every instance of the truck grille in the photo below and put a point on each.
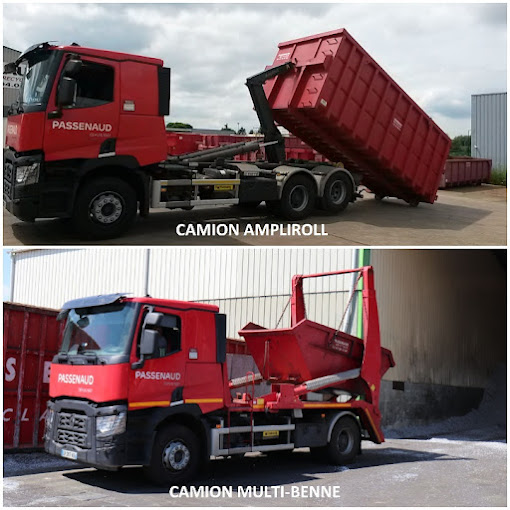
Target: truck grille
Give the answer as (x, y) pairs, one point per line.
(72, 429)
(8, 178)
(72, 421)
(68, 437)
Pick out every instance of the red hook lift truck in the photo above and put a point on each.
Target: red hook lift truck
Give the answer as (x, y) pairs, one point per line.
(86, 139)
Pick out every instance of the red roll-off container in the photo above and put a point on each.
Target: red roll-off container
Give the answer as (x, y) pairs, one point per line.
(31, 339)
(465, 171)
(339, 101)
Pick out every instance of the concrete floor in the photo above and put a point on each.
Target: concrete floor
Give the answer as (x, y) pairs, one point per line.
(461, 216)
(439, 471)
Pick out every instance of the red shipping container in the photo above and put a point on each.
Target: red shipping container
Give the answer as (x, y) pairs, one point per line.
(31, 339)
(465, 171)
(339, 101)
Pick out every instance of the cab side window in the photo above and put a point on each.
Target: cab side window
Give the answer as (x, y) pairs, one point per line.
(94, 85)
(170, 337)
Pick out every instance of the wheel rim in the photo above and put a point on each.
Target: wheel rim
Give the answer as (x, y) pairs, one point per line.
(176, 455)
(106, 208)
(345, 441)
(337, 192)
(298, 197)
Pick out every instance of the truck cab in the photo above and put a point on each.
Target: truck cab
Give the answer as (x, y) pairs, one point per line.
(82, 112)
(126, 366)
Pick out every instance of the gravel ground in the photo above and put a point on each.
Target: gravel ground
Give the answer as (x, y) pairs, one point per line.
(461, 461)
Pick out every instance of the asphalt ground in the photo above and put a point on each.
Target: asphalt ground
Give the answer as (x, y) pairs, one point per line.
(446, 470)
(472, 216)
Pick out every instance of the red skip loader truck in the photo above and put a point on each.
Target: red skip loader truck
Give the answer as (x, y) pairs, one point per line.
(143, 381)
(86, 139)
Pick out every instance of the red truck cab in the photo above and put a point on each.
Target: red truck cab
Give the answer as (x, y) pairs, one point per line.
(101, 374)
(82, 111)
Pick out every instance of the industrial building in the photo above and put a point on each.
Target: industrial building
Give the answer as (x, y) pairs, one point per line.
(489, 128)
(442, 312)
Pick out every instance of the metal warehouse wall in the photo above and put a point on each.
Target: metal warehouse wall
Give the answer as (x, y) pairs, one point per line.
(489, 128)
(10, 95)
(48, 278)
(442, 313)
(253, 284)
(248, 285)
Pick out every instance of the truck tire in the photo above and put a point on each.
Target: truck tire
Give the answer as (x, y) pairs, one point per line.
(345, 441)
(298, 198)
(175, 456)
(337, 193)
(104, 208)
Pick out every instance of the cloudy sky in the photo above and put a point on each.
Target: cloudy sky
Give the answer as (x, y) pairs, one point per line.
(439, 54)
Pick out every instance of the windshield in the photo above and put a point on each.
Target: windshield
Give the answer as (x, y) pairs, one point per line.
(101, 330)
(38, 78)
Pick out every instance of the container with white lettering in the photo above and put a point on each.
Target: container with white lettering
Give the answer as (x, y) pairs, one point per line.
(31, 339)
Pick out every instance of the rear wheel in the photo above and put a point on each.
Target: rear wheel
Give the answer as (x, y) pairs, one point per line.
(104, 208)
(345, 441)
(175, 456)
(298, 198)
(337, 193)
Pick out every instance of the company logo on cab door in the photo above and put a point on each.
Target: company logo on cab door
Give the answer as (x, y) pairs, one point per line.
(158, 376)
(81, 126)
(76, 379)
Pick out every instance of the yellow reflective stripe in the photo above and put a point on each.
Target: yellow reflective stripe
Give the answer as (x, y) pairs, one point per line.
(325, 404)
(203, 400)
(145, 404)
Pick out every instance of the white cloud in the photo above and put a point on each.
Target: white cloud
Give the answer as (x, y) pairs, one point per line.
(439, 53)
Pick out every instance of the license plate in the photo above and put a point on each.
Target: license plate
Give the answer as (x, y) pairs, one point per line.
(68, 454)
(270, 434)
(223, 187)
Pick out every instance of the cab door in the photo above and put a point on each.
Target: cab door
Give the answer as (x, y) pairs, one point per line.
(88, 128)
(161, 378)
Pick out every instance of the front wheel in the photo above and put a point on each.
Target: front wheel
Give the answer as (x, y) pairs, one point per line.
(175, 456)
(104, 208)
(345, 441)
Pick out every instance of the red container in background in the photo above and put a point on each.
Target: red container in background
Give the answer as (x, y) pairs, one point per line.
(340, 102)
(466, 171)
(182, 143)
(31, 339)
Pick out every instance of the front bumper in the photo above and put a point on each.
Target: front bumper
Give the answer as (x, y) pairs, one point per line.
(50, 197)
(73, 435)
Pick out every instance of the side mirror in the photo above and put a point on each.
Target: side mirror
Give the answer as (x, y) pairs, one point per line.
(67, 92)
(150, 342)
(12, 68)
(160, 320)
(72, 67)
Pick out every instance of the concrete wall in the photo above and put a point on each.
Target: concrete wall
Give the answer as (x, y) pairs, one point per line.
(442, 313)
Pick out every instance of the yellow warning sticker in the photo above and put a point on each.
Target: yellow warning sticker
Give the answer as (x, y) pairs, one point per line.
(268, 434)
(223, 187)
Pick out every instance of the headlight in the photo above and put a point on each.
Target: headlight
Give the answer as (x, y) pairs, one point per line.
(111, 425)
(50, 414)
(28, 174)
